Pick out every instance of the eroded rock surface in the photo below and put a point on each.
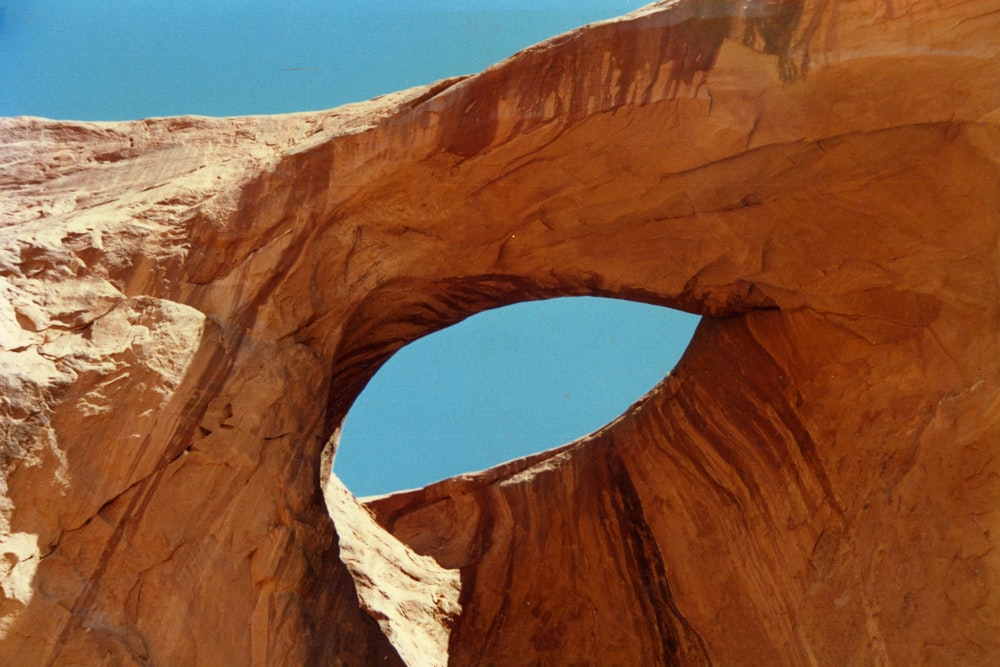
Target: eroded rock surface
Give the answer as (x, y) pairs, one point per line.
(190, 305)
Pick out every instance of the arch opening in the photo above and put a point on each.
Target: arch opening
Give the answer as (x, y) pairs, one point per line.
(504, 384)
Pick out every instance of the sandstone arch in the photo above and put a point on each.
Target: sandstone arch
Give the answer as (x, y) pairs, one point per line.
(191, 303)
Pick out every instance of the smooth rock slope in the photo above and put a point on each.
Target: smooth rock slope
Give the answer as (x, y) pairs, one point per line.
(190, 305)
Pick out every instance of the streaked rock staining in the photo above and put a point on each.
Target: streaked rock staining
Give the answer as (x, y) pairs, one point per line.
(190, 305)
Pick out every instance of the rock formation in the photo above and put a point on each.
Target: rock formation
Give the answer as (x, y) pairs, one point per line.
(190, 305)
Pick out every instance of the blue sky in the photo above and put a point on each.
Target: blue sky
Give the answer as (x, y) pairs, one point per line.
(499, 385)
(122, 59)
(505, 383)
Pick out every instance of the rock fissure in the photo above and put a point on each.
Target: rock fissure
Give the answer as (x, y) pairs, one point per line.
(680, 643)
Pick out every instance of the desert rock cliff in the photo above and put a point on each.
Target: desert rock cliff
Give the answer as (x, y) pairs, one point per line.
(190, 305)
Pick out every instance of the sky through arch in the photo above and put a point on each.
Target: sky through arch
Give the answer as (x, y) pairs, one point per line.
(503, 384)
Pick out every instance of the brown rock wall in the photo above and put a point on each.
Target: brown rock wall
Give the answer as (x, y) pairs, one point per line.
(190, 306)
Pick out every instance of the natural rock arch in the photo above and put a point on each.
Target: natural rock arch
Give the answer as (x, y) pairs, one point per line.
(180, 291)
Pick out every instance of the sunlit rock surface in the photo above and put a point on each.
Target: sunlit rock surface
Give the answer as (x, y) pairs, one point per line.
(190, 305)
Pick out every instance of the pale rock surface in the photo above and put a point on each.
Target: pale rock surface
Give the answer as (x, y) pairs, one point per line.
(188, 307)
(416, 618)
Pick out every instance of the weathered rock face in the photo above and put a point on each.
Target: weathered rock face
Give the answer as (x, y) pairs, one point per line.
(190, 305)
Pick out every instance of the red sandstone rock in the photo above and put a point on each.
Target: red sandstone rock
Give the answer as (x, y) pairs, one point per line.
(816, 483)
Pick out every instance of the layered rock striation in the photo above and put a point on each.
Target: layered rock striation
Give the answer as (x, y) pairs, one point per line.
(190, 305)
